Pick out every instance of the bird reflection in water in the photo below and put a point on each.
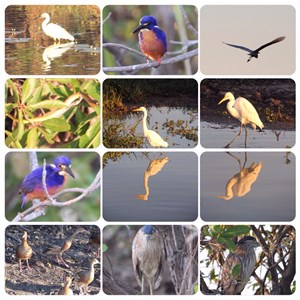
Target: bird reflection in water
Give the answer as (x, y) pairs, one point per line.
(54, 51)
(240, 184)
(154, 167)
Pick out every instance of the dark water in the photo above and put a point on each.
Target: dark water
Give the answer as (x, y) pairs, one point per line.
(151, 187)
(29, 51)
(261, 190)
(217, 136)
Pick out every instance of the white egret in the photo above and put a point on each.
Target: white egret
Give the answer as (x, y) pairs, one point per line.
(244, 111)
(55, 31)
(154, 139)
(254, 53)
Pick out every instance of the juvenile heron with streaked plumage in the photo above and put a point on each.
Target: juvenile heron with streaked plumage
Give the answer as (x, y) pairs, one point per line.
(148, 257)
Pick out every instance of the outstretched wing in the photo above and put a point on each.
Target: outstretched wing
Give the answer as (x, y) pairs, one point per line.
(239, 47)
(279, 39)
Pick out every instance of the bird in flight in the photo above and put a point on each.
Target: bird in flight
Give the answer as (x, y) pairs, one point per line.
(254, 53)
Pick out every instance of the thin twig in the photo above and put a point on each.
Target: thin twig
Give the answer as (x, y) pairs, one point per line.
(107, 17)
(44, 183)
(120, 46)
(188, 24)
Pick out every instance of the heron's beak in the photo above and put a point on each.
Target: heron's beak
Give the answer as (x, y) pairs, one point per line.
(137, 109)
(140, 27)
(224, 99)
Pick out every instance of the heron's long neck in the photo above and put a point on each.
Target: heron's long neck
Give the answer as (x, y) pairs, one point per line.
(45, 22)
(231, 109)
(145, 129)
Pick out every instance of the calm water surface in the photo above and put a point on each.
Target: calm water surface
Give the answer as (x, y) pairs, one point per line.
(151, 187)
(262, 189)
(217, 136)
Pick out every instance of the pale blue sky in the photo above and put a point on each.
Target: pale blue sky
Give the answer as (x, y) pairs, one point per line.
(250, 26)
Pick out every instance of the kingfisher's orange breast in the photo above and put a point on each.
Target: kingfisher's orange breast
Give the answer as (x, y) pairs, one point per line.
(150, 45)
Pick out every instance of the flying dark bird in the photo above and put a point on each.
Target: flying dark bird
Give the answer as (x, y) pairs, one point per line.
(254, 53)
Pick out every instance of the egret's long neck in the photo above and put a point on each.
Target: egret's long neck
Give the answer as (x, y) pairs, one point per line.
(231, 109)
(45, 22)
(145, 129)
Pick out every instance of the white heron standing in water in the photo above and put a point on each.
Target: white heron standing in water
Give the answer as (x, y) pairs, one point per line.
(154, 139)
(241, 109)
(55, 31)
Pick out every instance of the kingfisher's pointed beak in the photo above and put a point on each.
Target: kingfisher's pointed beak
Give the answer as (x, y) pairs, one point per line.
(68, 170)
(142, 26)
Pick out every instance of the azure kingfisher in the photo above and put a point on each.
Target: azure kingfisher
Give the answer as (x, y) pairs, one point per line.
(56, 175)
(152, 39)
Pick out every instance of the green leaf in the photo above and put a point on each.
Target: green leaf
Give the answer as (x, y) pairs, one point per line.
(236, 230)
(13, 87)
(47, 136)
(28, 87)
(236, 271)
(11, 142)
(56, 124)
(227, 242)
(32, 138)
(91, 87)
(63, 91)
(49, 104)
(92, 137)
(35, 97)
(20, 130)
(104, 248)
(9, 107)
(215, 230)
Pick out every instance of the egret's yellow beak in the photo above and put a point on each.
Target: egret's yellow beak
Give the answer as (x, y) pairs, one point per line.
(224, 99)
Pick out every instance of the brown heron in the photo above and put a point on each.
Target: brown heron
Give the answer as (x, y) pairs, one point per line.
(241, 109)
(148, 257)
(254, 53)
(239, 266)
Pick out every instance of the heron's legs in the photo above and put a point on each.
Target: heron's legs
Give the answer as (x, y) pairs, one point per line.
(143, 283)
(246, 135)
(151, 285)
(228, 145)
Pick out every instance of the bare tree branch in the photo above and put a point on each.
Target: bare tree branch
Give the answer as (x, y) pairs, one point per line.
(188, 24)
(134, 68)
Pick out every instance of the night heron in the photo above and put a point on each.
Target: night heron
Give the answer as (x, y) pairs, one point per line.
(241, 109)
(254, 53)
(239, 266)
(148, 257)
(154, 139)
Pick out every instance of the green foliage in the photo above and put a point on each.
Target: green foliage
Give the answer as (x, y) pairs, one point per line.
(104, 248)
(39, 113)
(236, 270)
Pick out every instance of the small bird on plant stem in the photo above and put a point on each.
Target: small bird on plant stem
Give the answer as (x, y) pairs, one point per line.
(152, 39)
(56, 175)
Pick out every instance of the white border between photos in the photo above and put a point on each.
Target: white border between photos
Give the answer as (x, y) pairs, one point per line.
(101, 150)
